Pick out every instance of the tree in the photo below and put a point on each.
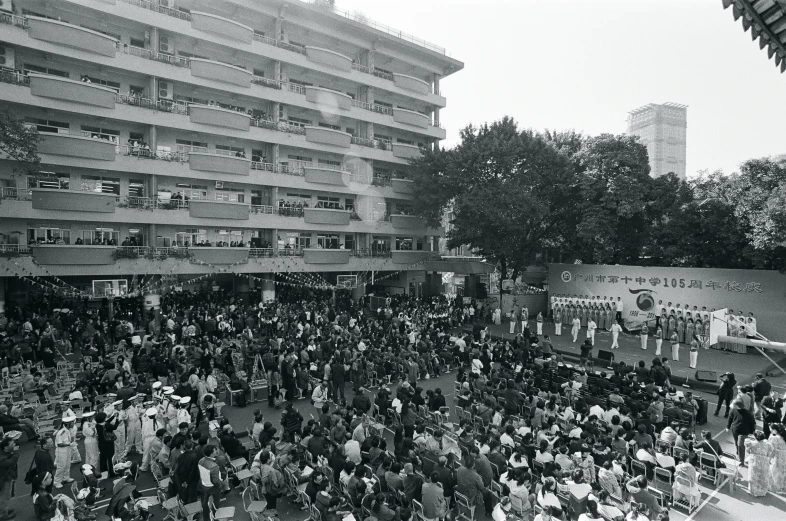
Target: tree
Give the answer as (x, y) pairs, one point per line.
(18, 142)
(504, 188)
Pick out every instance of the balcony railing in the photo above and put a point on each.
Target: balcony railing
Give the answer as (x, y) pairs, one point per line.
(130, 252)
(266, 82)
(361, 68)
(373, 252)
(20, 194)
(265, 39)
(12, 19)
(262, 208)
(14, 78)
(290, 252)
(293, 87)
(15, 249)
(373, 107)
(154, 6)
(261, 252)
(382, 74)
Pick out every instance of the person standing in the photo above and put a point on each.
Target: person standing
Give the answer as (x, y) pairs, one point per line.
(675, 346)
(694, 353)
(644, 335)
(761, 389)
(658, 339)
(558, 321)
(514, 314)
(150, 426)
(741, 424)
(63, 441)
(616, 329)
(591, 327)
(91, 441)
(539, 323)
(620, 308)
(725, 392)
(9, 459)
(575, 329)
(525, 318)
(210, 478)
(758, 460)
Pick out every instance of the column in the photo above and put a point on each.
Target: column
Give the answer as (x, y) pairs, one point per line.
(268, 288)
(152, 87)
(2, 294)
(274, 112)
(152, 138)
(153, 32)
(275, 157)
(435, 84)
(152, 186)
(370, 57)
(152, 233)
(277, 70)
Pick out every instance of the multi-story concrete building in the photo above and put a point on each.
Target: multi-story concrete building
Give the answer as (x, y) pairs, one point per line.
(281, 130)
(662, 128)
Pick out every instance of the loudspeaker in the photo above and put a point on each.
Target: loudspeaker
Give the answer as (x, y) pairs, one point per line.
(707, 376)
(606, 356)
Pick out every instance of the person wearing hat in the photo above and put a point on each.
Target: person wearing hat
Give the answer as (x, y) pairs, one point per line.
(75, 456)
(134, 414)
(171, 412)
(183, 414)
(63, 443)
(157, 391)
(120, 432)
(91, 440)
(150, 427)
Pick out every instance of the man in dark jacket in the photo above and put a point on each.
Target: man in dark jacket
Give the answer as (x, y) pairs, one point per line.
(741, 423)
(361, 402)
(186, 473)
(291, 421)
(42, 459)
(761, 388)
(210, 478)
(337, 376)
(9, 457)
(725, 392)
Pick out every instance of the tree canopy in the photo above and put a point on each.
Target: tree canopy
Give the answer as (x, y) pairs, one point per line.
(520, 197)
(18, 142)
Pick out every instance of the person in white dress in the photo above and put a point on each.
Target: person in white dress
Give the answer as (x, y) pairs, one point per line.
(616, 329)
(91, 440)
(575, 329)
(591, 327)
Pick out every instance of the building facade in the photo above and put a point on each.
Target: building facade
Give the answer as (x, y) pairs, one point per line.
(662, 129)
(189, 136)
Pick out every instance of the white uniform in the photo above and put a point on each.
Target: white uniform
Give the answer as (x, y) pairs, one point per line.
(149, 428)
(62, 456)
(120, 432)
(575, 329)
(91, 443)
(171, 415)
(591, 327)
(616, 329)
(183, 416)
(134, 431)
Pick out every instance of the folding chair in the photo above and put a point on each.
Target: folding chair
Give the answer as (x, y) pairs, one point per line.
(191, 511)
(686, 501)
(708, 467)
(663, 481)
(638, 468)
(171, 505)
(219, 514)
(463, 503)
(417, 508)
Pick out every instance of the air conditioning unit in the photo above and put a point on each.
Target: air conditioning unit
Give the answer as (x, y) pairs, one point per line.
(7, 57)
(165, 90)
(219, 185)
(166, 45)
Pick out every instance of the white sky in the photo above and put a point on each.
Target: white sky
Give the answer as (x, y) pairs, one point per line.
(583, 64)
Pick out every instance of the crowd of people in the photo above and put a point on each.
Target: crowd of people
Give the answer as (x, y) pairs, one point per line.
(531, 435)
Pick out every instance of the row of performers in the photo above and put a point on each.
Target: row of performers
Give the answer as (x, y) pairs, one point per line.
(605, 317)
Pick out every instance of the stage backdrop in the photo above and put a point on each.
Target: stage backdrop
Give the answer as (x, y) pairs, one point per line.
(758, 291)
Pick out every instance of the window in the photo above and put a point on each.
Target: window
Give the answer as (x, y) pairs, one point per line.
(49, 180)
(351, 131)
(404, 243)
(299, 82)
(190, 100)
(300, 122)
(105, 236)
(405, 141)
(190, 237)
(48, 125)
(329, 242)
(105, 185)
(328, 125)
(382, 103)
(258, 155)
(349, 204)
(191, 55)
(136, 188)
(226, 150)
(28, 67)
(380, 243)
(184, 145)
(382, 137)
(101, 133)
(135, 42)
(294, 195)
(328, 202)
(105, 83)
(192, 191)
(136, 136)
(329, 162)
(304, 240)
(228, 106)
(46, 235)
(403, 208)
(349, 242)
(305, 159)
(232, 195)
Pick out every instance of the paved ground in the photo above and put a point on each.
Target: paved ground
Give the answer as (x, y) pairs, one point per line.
(717, 504)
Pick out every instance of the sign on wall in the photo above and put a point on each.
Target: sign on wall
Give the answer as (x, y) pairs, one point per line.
(644, 289)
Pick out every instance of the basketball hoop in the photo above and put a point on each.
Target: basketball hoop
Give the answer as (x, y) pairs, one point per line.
(347, 281)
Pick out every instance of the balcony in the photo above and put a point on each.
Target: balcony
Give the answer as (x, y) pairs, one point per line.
(403, 186)
(411, 83)
(62, 33)
(64, 89)
(218, 255)
(410, 257)
(328, 99)
(218, 209)
(407, 222)
(329, 58)
(218, 117)
(76, 146)
(326, 216)
(73, 200)
(74, 254)
(410, 117)
(207, 162)
(221, 26)
(322, 256)
(328, 136)
(405, 151)
(219, 71)
(327, 176)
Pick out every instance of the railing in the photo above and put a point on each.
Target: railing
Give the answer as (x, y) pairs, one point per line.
(126, 150)
(286, 169)
(290, 252)
(154, 6)
(265, 39)
(371, 143)
(265, 123)
(136, 101)
(296, 165)
(176, 107)
(178, 61)
(366, 252)
(361, 68)
(20, 194)
(373, 107)
(19, 249)
(12, 19)
(130, 252)
(140, 202)
(382, 74)
(266, 82)
(289, 47)
(285, 126)
(293, 87)
(265, 167)
(171, 252)
(261, 252)
(14, 78)
(262, 208)
(289, 211)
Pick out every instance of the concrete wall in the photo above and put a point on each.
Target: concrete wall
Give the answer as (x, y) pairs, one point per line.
(328, 99)
(65, 89)
(328, 136)
(222, 72)
(76, 146)
(218, 163)
(327, 176)
(218, 210)
(221, 26)
(410, 83)
(219, 117)
(318, 256)
(74, 255)
(407, 222)
(403, 186)
(329, 58)
(410, 117)
(62, 33)
(406, 151)
(219, 255)
(72, 200)
(409, 257)
(325, 216)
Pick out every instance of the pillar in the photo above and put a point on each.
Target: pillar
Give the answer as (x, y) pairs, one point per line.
(152, 233)
(275, 157)
(152, 138)
(435, 84)
(370, 57)
(277, 70)
(275, 241)
(2, 294)
(152, 185)
(152, 89)
(153, 32)
(268, 288)
(274, 112)
(280, 31)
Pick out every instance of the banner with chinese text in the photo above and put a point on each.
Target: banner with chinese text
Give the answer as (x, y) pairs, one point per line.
(643, 289)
